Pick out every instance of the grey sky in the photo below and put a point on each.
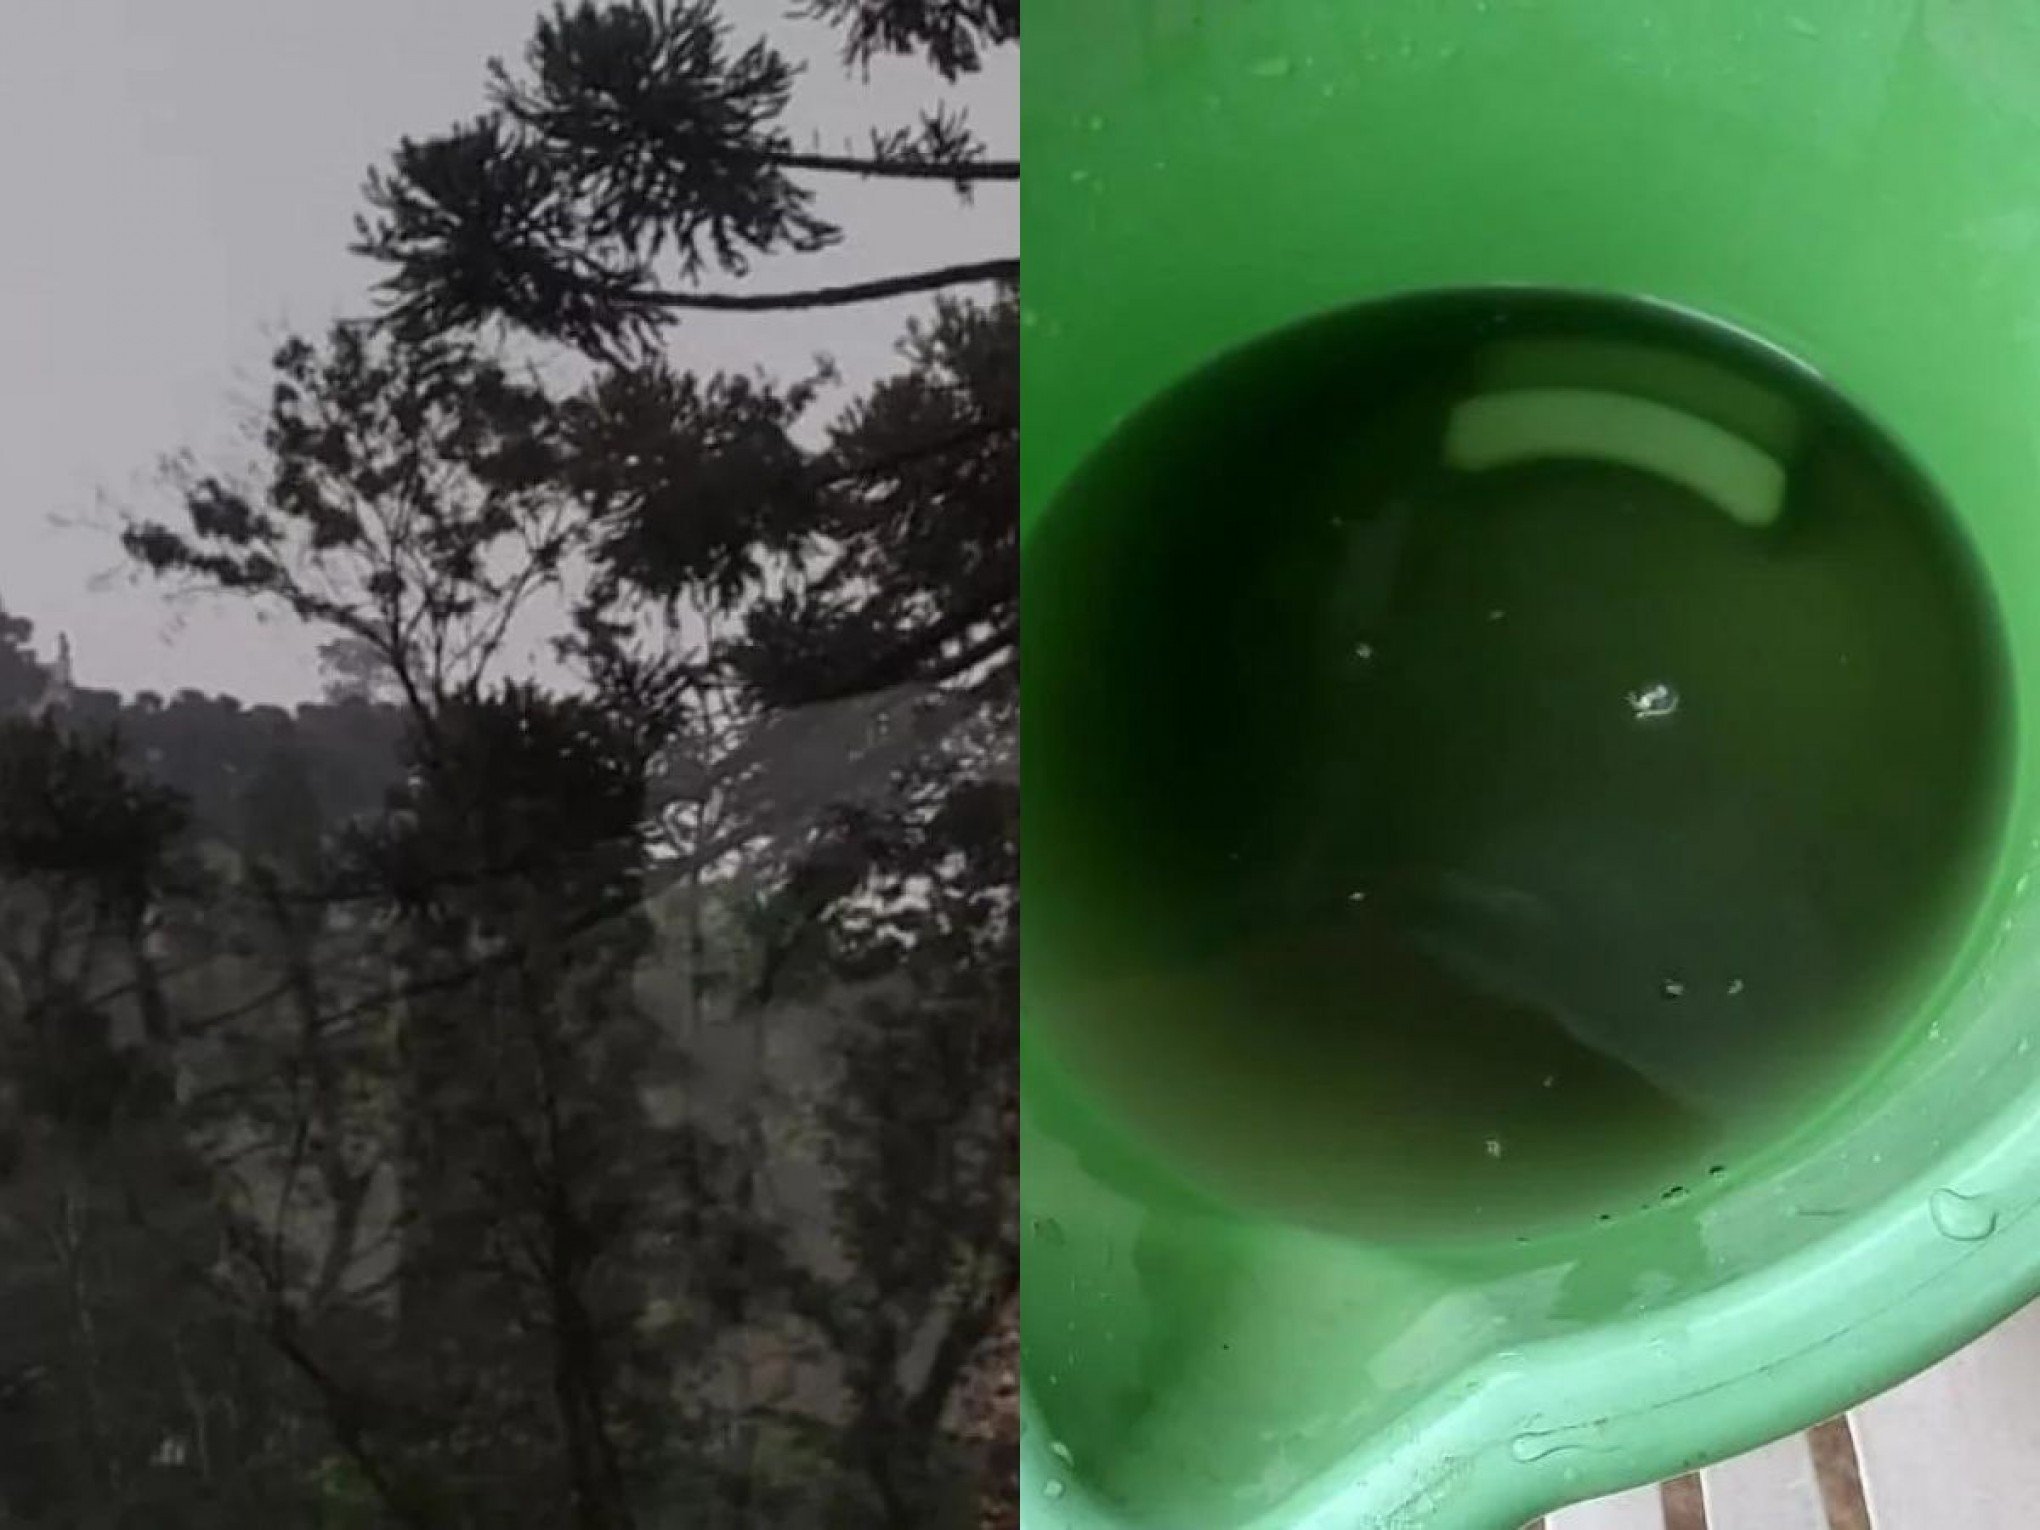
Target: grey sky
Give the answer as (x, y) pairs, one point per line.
(180, 179)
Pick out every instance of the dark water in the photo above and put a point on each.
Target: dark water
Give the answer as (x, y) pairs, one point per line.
(1493, 758)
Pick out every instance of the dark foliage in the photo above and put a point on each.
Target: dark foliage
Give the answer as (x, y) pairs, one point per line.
(584, 1097)
(639, 139)
(952, 35)
(405, 504)
(73, 807)
(921, 581)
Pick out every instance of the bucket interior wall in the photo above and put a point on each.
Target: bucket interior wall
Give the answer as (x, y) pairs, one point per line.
(1857, 181)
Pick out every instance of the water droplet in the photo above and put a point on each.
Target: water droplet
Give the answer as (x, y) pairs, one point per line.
(1672, 988)
(1804, 27)
(1078, 177)
(1494, 1147)
(2025, 1045)
(1049, 1231)
(1363, 651)
(1276, 68)
(1735, 986)
(1649, 703)
(1357, 895)
(1062, 1452)
(1550, 1079)
(1496, 614)
(1095, 123)
(1965, 1218)
(1053, 1488)
(2025, 881)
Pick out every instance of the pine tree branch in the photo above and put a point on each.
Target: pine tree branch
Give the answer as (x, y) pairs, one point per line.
(902, 169)
(916, 661)
(890, 463)
(934, 280)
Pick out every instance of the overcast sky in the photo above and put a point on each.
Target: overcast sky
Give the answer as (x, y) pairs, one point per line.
(179, 181)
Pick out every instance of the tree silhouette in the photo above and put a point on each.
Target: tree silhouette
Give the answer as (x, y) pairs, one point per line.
(860, 816)
(398, 507)
(859, 606)
(132, 1395)
(952, 35)
(597, 1086)
(637, 140)
(23, 680)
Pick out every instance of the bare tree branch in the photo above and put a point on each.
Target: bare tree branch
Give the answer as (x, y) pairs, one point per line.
(903, 169)
(935, 280)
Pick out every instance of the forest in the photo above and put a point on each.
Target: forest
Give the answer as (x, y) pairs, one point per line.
(578, 1094)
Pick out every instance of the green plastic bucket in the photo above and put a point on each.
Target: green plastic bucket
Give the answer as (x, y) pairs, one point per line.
(1857, 181)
